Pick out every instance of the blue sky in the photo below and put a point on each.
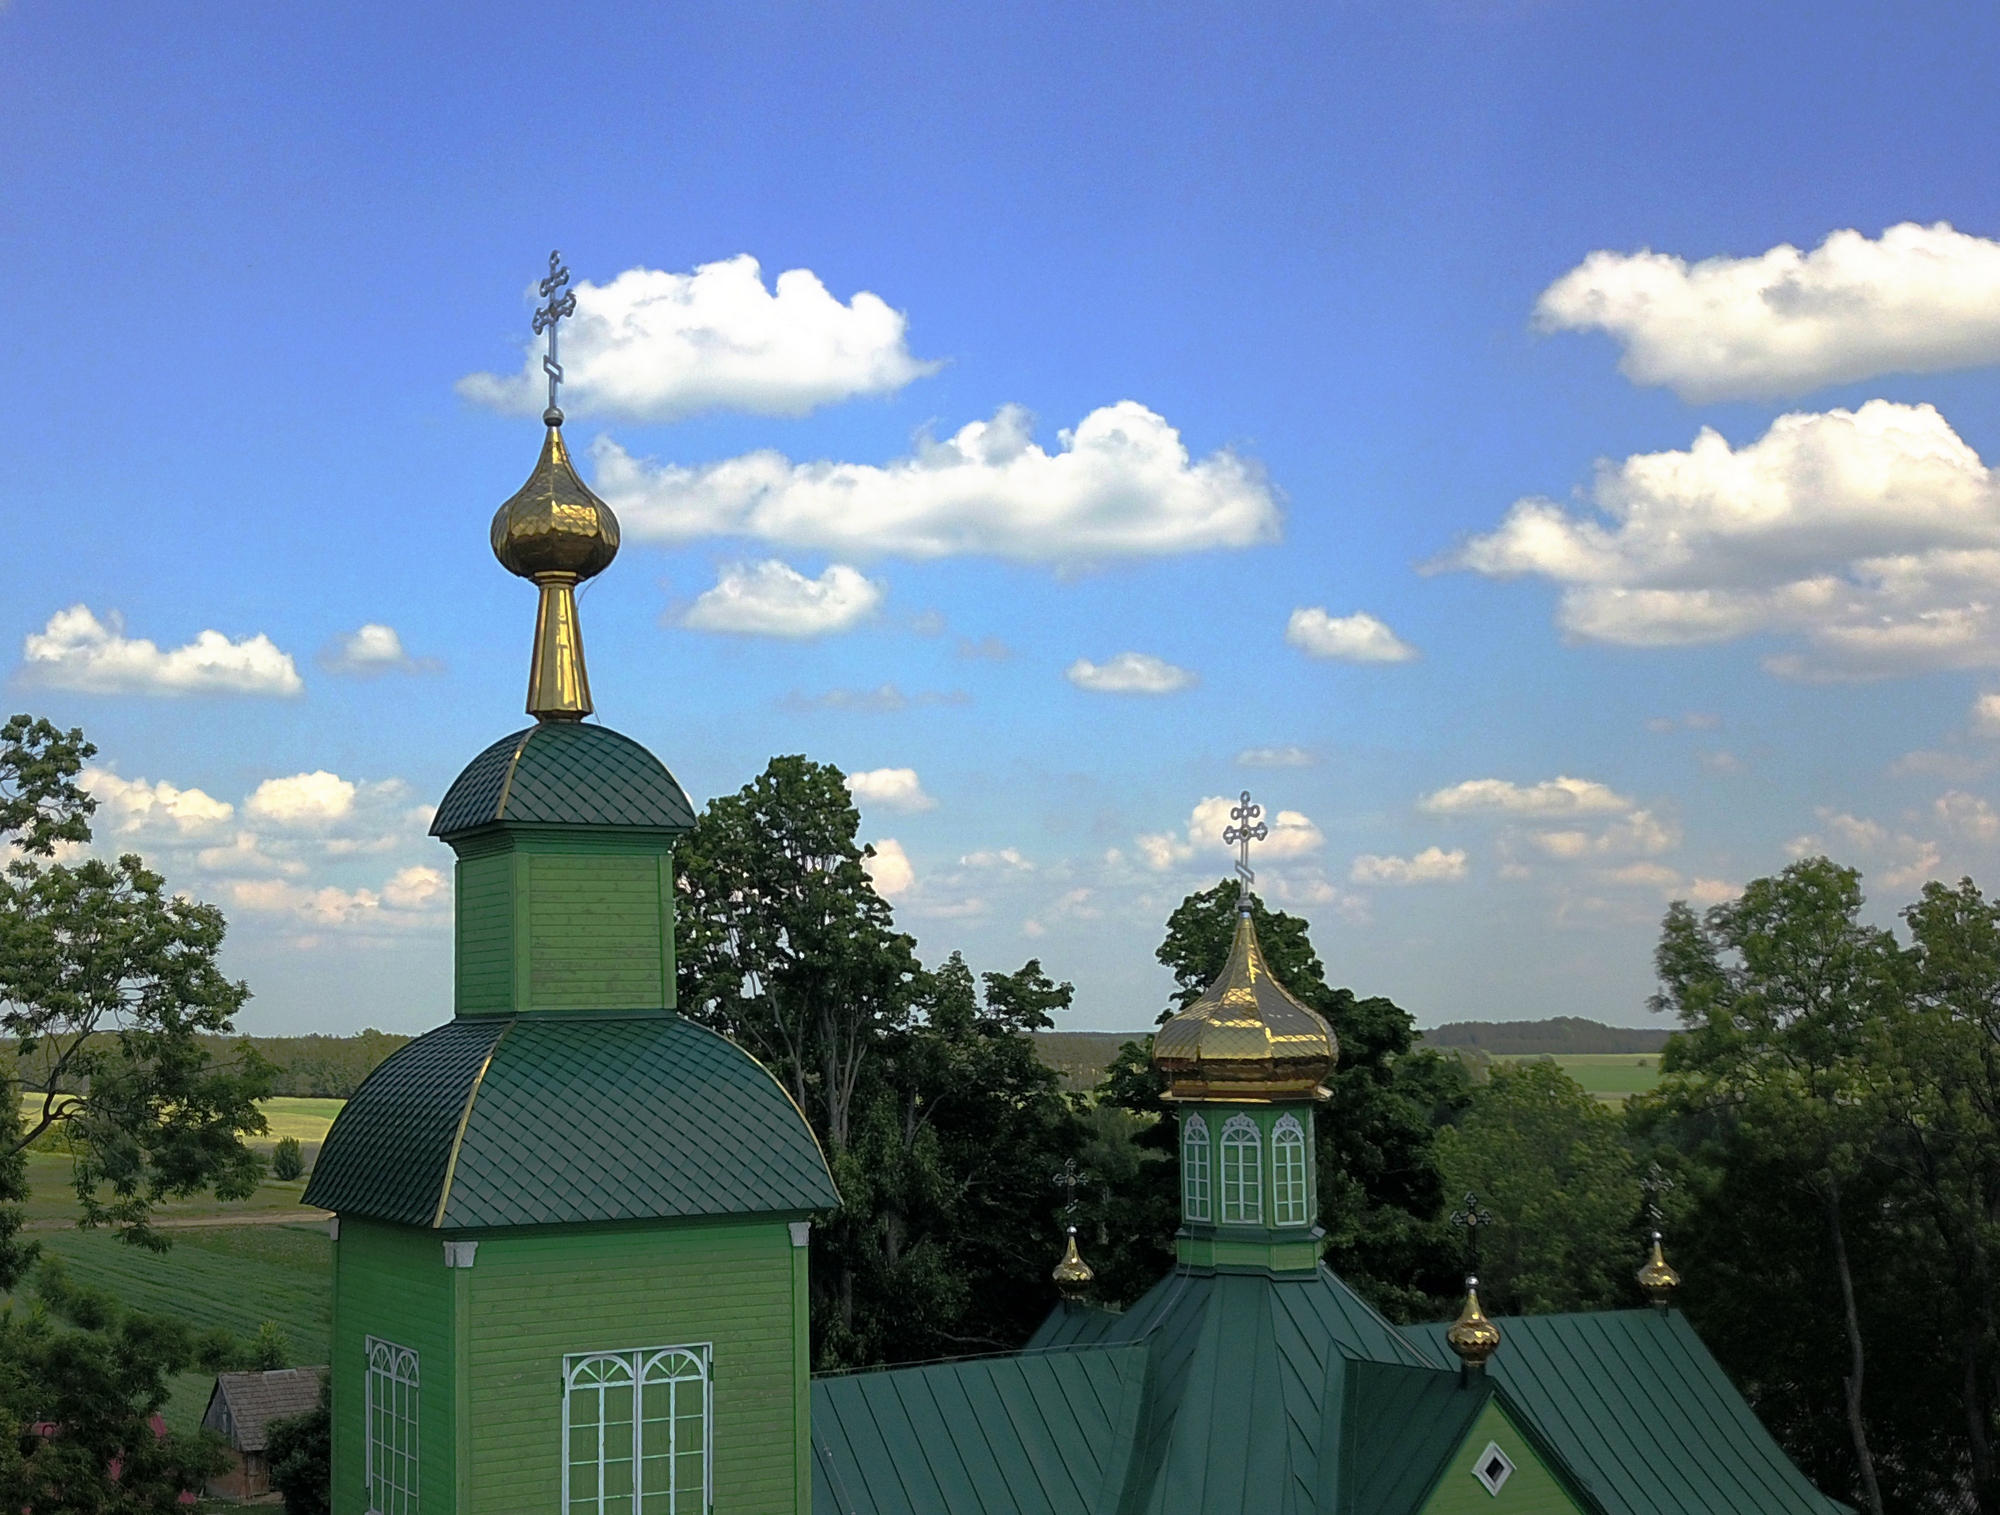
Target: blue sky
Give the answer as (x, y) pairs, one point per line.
(1341, 255)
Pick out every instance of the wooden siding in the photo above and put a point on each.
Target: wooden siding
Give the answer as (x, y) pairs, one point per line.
(391, 1282)
(1530, 1490)
(538, 1296)
(595, 934)
(485, 937)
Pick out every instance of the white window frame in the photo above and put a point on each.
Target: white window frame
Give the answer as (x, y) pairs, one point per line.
(639, 1365)
(1288, 1172)
(391, 1467)
(1195, 1198)
(1242, 1188)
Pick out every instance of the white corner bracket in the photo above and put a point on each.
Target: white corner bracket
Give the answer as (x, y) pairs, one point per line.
(1493, 1469)
(802, 1231)
(333, 1228)
(459, 1254)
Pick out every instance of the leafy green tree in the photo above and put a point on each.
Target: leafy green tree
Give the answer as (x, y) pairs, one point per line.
(1381, 1190)
(301, 1453)
(288, 1160)
(1549, 1163)
(1786, 1003)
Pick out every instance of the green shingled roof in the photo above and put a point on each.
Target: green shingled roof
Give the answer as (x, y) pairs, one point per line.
(564, 773)
(547, 1120)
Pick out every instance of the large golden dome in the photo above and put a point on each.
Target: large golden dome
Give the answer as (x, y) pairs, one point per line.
(554, 524)
(1246, 1038)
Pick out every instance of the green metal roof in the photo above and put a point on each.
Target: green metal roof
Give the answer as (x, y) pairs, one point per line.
(564, 773)
(1271, 1395)
(546, 1120)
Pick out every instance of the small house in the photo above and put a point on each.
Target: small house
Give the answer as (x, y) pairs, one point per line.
(241, 1408)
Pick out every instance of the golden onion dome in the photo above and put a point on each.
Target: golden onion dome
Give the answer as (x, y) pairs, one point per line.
(1247, 1037)
(1657, 1279)
(1072, 1274)
(1472, 1336)
(554, 524)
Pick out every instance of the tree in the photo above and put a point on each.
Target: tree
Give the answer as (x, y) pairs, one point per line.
(108, 984)
(1549, 1163)
(1786, 1003)
(301, 1453)
(1381, 1190)
(288, 1159)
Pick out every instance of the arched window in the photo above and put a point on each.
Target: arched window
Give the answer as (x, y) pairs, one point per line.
(1288, 1172)
(391, 1468)
(636, 1432)
(1194, 1167)
(1242, 1186)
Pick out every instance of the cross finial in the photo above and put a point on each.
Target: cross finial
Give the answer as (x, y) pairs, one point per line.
(1474, 1217)
(562, 302)
(1247, 828)
(1069, 1178)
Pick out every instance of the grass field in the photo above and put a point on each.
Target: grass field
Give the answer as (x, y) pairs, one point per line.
(1611, 1076)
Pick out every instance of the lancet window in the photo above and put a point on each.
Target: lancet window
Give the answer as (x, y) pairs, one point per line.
(1242, 1178)
(391, 1462)
(1288, 1172)
(1194, 1168)
(636, 1432)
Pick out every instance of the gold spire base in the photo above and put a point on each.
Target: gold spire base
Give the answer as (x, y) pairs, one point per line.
(558, 684)
(1472, 1336)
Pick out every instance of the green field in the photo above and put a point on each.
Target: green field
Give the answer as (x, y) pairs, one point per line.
(1611, 1076)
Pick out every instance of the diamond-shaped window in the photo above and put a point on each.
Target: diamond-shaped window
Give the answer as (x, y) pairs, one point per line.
(1493, 1468)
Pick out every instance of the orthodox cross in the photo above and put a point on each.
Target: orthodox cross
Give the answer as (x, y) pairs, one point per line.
(562, 302)
(1248, 829)
(1656, 1186)
(1472, 1217)
(1069, 1178)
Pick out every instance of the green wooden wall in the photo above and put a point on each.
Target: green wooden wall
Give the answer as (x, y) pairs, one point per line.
(564, 922)
(1531, 1490)
(1234, 1245)
(391, 1281)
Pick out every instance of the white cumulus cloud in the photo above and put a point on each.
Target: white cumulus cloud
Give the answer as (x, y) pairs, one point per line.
(656, 346)
(1917, 300)
(1431, 866)
(1122, 484)
(304, 800)
(890, 868)
(891, 788)
(1129, 673)
(1276, 757)
(133, 807)
(369, 650)
(77, 651)
(1557, 796)
(1357, 638)
(774, 599)
(1292, 836)
(1872, 536)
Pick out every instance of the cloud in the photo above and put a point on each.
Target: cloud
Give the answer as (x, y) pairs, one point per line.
(891, 788)
(1639, 832)
(133, 807)
(1292, 836)
(370, 650)
(1920, 299)
(774, 599)
(1720, 761)
(412, 896)
(1431, 866)
(1121, 485)
(1129, 673)
(1986, 714)
(1556, 796)
(306, 801)
(883, 700)
(655, 346)
(1968, 816)
(1276, 757)
(890, 868)
(1357, 638)
(1694, 720)
(986, 649)
(1005, 858)
(1873, 535)
(77, 651)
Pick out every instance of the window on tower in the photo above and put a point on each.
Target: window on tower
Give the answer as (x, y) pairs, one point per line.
(636, 1432)
(1194, 1167)
(1288, 1172)
(391, 1466)
(1242, 1187)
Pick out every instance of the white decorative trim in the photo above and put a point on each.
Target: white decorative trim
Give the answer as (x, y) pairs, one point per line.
(642, 1373)
(459, 1254)
(333, 1228)
(802, 1231)
(390, 1420)
(1493, 1468)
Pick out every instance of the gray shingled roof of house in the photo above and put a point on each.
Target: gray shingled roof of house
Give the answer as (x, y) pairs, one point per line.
(242, 1406)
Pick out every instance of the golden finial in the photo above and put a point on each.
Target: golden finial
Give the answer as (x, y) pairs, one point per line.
(555, 532)
(1472, 1336)
(1657, 1278)
(1072, 1274)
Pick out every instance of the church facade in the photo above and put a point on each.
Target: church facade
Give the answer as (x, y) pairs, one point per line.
(570, 1255)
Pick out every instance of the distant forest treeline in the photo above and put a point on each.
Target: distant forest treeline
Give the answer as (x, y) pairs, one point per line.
(309, 1067)
(1564, 1033)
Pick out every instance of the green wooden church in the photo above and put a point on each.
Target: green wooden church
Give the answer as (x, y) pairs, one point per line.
(570, 1255)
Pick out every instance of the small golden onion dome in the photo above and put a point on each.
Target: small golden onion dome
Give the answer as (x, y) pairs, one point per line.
(1472, 1336)
(1246, 1038)
(554, 524)
(1072, 1274)
(1657, 1278)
